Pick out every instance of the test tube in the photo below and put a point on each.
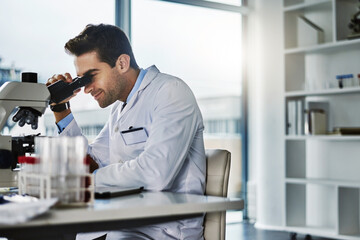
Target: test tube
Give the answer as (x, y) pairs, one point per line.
(354, 81)
(22, 162)
(339, 78)
(63, 159)
(350, 80)
(29, 166)
(34, 183)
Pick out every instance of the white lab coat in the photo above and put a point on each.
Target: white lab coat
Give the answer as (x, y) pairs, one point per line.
(171, 158)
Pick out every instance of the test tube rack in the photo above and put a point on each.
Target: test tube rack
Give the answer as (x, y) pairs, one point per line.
(46, 186)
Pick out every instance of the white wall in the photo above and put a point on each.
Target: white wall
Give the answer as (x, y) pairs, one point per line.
(266, 111)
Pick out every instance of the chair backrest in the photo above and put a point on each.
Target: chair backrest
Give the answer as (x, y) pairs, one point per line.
(217, 178)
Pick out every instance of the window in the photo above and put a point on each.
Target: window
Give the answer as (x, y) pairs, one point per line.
(33, 37)
(202, 46)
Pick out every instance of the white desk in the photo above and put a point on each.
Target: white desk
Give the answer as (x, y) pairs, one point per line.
(121, 212)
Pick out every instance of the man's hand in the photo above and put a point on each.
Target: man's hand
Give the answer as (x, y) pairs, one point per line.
(62, 77)
(92, 164)
(66, 78)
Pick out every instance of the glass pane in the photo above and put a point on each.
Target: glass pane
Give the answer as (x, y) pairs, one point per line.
(203, 47)
(33, 37)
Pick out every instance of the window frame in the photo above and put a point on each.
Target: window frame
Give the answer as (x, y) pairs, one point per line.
(123, 20)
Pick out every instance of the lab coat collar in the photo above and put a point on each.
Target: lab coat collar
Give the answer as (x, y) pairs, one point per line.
(151, 73)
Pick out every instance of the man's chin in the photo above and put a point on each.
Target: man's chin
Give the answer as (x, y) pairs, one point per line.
(103, 104)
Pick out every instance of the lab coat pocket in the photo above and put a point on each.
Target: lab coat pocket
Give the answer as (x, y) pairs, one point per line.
(134, 136)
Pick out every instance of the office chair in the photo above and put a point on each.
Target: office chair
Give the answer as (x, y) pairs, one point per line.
(217, 178)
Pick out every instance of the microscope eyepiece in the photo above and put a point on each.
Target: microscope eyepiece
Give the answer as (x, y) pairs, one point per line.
(61, 90)
(29, 77)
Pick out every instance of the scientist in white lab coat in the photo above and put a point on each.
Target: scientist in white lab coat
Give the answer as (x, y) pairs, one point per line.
(154, 134)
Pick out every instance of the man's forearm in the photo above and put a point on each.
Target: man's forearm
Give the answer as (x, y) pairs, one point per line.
(60, 115)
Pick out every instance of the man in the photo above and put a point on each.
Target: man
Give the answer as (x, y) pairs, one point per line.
(154, 134)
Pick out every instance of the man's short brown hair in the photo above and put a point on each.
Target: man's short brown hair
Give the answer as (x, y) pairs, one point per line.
(107, 40)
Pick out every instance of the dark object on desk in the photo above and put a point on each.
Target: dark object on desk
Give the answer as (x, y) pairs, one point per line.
(22, 145)
(61, 90)
(19, 147)
(347, 130)
(2, 200)
(111, 192)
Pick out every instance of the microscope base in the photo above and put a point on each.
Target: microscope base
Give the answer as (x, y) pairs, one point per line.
(8, 178)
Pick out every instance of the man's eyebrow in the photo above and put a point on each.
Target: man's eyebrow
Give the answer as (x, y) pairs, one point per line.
(90, 71)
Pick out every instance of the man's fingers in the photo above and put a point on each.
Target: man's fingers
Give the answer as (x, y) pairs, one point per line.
(67, 77)
(57, 77)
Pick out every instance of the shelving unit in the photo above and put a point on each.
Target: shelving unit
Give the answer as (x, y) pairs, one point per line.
(322, 172)
(295, 5)
(323, 92)
(323, 138)
(324, 47)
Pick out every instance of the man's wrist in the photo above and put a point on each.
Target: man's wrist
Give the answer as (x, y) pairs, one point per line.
(60, 107)
(63, 119)
(61, 115)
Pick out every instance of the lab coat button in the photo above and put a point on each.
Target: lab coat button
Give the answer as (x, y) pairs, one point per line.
(116, 129)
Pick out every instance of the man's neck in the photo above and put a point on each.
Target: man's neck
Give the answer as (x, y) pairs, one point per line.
(133, 75)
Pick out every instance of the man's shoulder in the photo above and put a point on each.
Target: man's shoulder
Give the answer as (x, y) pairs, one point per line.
(161, 77)
(165, 79)
(160, 82)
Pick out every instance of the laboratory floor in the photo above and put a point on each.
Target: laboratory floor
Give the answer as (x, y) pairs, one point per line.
(238, 229)
(247, 231)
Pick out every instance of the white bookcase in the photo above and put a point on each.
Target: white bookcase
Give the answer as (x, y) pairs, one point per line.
(322, 172)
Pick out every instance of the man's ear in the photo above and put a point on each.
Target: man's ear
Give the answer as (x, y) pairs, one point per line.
(123, 63)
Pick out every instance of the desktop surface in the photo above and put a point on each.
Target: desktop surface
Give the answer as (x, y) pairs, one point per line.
(126, 211)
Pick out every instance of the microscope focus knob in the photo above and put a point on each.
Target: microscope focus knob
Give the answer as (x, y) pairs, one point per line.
(29, 77)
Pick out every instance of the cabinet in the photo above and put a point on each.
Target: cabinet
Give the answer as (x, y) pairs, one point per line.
(322, 171)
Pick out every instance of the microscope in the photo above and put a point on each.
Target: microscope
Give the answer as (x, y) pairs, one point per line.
(31, 99)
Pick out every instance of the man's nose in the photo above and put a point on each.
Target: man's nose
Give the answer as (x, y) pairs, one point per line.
(88, 88)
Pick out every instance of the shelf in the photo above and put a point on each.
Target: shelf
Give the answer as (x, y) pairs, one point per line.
(334, 91)
(305, 5)
(323, 47)
(324, 137)
(330, 182)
